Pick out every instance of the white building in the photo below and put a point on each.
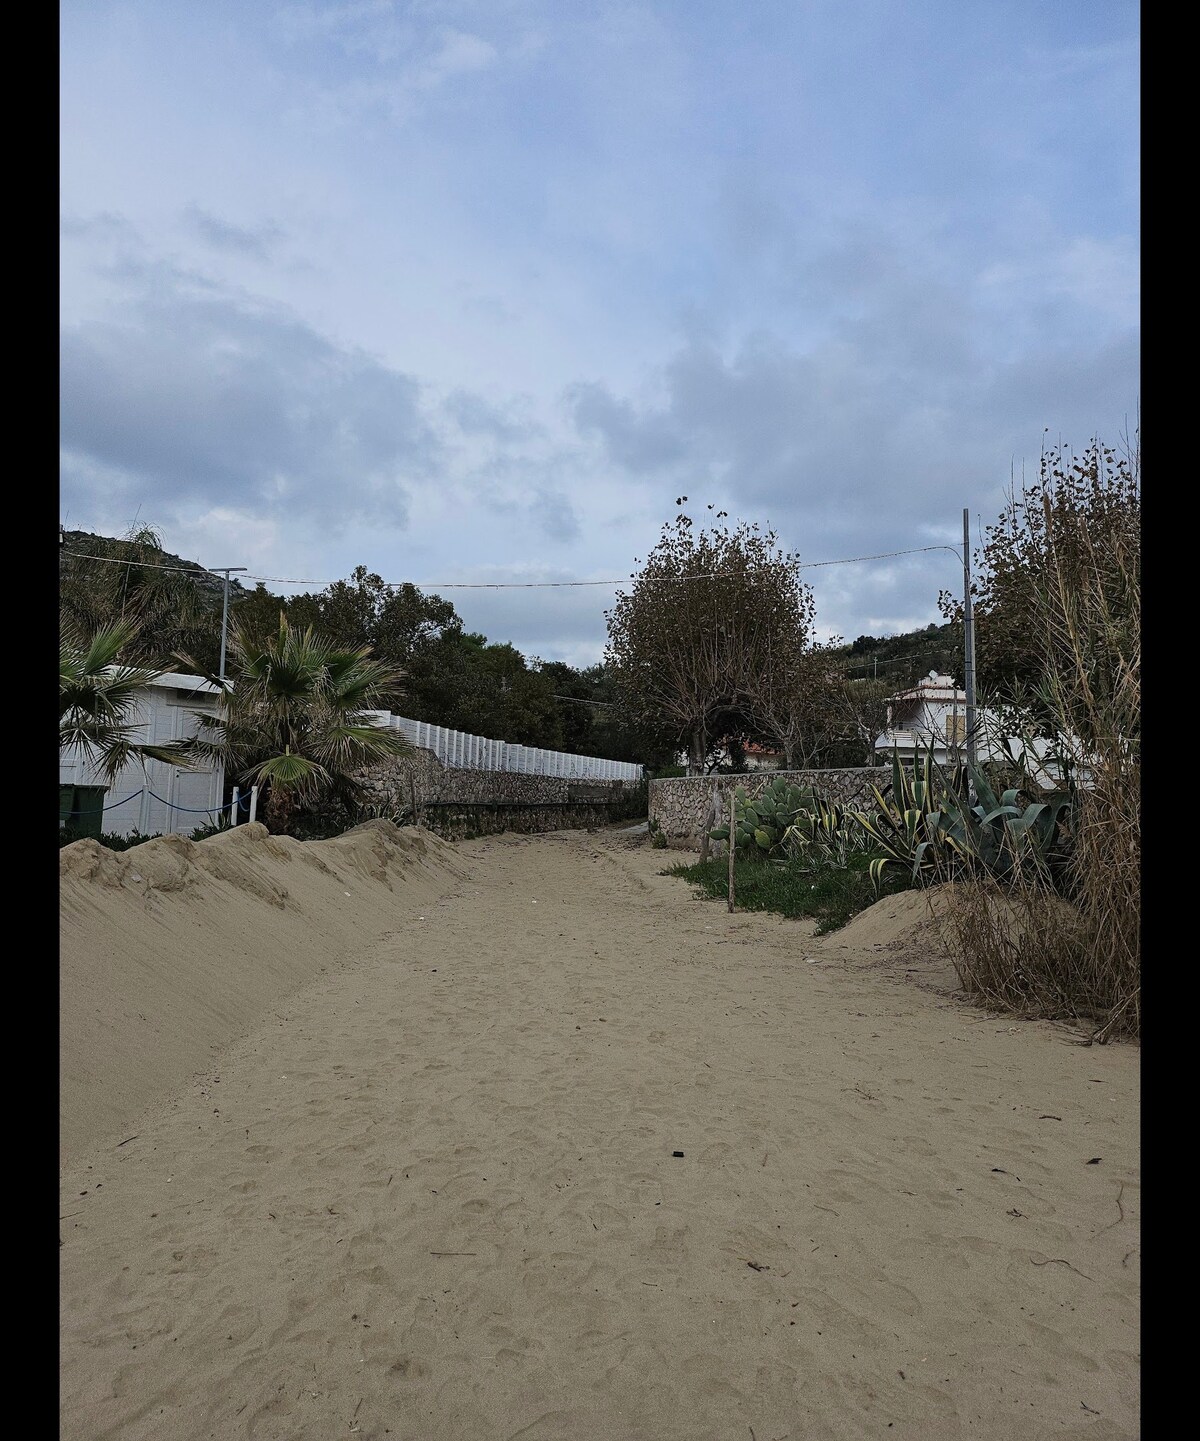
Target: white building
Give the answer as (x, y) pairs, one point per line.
(933, 715)
(159, 798)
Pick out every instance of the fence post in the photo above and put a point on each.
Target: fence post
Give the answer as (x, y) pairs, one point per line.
(732, 847)
(233, 819)
(253, 802)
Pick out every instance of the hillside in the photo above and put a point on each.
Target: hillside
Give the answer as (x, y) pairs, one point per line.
(902, 658)
(142, 551)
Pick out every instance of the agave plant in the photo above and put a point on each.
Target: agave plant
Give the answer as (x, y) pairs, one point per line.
(793, 821)
(825, 833)
(939, 823)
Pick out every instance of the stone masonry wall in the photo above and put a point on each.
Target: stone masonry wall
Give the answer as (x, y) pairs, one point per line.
(679, 804)
(470, 802)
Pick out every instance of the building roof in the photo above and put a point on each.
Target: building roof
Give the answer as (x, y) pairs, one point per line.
(176, 680)
(932, 687)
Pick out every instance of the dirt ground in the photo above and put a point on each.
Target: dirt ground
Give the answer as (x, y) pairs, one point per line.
(517, 1138)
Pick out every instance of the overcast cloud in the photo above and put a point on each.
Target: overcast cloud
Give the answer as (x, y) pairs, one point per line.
(472, 291)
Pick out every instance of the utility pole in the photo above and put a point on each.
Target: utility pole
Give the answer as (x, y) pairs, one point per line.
(225, 570)
(968, 639)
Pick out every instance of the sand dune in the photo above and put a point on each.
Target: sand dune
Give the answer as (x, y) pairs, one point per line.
(433, 1192)
(173, 949)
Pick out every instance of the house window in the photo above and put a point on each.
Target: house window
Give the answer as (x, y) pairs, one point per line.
(956, 729)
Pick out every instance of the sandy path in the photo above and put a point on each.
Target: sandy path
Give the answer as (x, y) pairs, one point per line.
(435, 1197)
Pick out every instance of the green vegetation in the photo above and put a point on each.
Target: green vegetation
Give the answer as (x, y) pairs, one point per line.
(940, 824)
(828, 894)
(769, 820)
(789, 820)
(293, 722)
(173, 606)
(97, 699)
(1060, 604)
(452, 677)
(711, 639)
(110, 840)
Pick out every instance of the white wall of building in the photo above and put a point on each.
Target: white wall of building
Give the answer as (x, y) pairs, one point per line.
(158, 798)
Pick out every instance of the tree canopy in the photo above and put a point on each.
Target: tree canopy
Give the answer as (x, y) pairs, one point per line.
(1074, 532)
(710, 640)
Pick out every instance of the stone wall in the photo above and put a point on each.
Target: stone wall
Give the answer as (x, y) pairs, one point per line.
(679, 804)
(471, 802)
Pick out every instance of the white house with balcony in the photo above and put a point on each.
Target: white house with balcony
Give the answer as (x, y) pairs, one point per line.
(933, 716)
(159, 798)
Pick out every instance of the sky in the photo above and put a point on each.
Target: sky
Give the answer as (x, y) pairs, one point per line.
(472, 290)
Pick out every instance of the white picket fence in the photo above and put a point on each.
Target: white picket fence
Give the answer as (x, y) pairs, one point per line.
(461, 751)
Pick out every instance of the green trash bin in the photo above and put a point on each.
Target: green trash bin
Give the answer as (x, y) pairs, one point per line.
(85, 813)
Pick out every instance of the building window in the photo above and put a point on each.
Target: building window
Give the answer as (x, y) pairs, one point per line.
(956, 729)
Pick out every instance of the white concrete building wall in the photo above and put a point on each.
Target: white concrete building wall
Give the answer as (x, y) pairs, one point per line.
(158, 798)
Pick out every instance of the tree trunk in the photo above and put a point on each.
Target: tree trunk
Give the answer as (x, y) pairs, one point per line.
(278, 810)
(697, 750)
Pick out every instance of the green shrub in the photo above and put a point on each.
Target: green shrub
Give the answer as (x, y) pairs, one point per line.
(796, 822)
(931, 828)
(202, 833)
(828, 894)
(110, 840)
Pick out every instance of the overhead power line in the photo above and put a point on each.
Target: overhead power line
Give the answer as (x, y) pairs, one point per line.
(499, 584)
(579, 700)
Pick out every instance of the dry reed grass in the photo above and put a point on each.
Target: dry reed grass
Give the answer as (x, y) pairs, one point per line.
(1022, 947)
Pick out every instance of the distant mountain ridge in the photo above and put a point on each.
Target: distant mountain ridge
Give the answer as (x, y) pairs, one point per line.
(77, 544)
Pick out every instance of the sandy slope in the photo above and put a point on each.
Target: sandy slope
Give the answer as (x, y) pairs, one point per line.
(431, 1194)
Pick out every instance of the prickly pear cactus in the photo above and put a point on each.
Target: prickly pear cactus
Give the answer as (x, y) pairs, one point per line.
(763, 824)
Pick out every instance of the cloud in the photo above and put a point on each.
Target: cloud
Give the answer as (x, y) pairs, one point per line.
(106, 226)
(640, 441)
(409, 58)
(257, 242)
(478, 417)
(555, 515)
(194, 394)
(867, 437)
(456, 54)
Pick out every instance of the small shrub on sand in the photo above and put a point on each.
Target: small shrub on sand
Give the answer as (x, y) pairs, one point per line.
(830, 895)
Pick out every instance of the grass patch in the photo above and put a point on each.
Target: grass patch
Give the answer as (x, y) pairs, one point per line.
(830, 895)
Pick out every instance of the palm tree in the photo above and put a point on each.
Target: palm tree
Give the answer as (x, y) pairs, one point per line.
(292, 719)
(98, 700)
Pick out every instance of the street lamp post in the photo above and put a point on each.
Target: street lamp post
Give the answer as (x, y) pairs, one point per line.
(225, 571)
(968, 639)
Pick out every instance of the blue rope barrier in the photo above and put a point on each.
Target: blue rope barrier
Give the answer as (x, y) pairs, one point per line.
(188, 810)
(112, 807)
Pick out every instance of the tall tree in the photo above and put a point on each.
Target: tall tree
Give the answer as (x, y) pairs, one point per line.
(712, 612)
(1078, 528)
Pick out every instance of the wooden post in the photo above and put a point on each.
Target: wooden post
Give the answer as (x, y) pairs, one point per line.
(732, 847)
(712, 816)
(412, 796)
